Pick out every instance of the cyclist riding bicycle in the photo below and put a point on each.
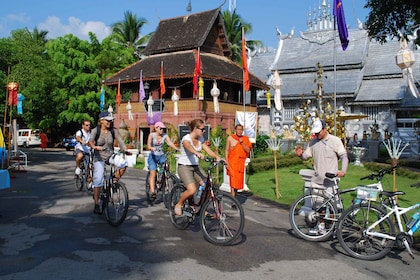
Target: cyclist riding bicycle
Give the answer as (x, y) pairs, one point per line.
(189, 171)
(102, 141)
(82, 147)
(155, 143)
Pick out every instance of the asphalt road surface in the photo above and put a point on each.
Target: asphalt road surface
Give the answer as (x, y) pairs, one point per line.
(48, 231)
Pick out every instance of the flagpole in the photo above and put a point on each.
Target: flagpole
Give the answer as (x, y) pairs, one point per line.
(335, 76)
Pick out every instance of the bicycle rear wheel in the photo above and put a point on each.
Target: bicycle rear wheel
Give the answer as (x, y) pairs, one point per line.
(117, 206)
(222, 220)
(180, 222)
(351, 232)
(313, 217)
(167, 187)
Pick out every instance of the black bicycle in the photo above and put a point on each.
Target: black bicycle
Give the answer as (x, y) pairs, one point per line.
(221, 215)
(85, 179)
(113, 199)
(164, 183)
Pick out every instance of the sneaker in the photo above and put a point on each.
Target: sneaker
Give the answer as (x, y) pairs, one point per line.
(153, 196)
(77, 171)
(96, 210)
(313, 231)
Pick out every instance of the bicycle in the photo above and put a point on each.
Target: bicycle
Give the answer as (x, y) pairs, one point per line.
(220, 214)
(366, 231)
(164, 183)
(314, 216)
(85, 178)
(113, 199)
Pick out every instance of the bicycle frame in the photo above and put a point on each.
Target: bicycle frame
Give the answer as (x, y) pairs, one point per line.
(397, 211)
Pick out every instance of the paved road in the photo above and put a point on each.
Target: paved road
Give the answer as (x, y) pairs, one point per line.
(48, 231)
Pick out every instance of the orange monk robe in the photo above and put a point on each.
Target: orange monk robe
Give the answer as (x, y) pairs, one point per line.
(44, 140)
(236, 160)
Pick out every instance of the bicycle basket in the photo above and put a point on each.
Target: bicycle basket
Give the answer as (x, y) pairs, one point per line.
(367, 193)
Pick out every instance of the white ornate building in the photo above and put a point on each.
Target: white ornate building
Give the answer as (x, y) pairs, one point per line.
(365, 78)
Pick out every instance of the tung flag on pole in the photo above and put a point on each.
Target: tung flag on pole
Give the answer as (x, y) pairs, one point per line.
(119, 93)
(102, 99)
(162, 81)
(341, 23)
(142, 94)
(197, 72)
(245, 64)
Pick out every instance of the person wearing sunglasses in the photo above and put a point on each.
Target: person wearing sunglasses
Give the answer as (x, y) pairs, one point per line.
(189, 171)
(82, 138)
(155, 142)
(102, 141)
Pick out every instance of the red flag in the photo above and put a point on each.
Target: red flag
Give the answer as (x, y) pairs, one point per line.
(245, 64)
(197, 72)
(162, 81)
(119, 93)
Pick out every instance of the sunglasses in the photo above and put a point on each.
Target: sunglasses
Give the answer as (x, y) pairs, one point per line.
(87, 124)
(109, 121)
(202, 129)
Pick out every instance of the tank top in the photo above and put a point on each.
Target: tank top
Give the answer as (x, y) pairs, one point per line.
(158, 144)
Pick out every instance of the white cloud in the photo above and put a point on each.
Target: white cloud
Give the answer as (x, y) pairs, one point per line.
(74, 26)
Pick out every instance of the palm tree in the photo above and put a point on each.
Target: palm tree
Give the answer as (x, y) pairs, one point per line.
(233, 25)
(128, 31)
(38, 35)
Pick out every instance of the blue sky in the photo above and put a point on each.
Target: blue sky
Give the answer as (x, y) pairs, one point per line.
(78, 17)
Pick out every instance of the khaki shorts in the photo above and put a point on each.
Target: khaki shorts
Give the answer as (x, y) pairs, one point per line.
(191, 174)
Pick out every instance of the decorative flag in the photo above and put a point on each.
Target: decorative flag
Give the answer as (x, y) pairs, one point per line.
(19, 105)
(142, 94)
(197, 72)
(119, 93)
(341, 23)
(102, 99)
(130, 114)
(13, 88)
(245, 63)
(162, 81)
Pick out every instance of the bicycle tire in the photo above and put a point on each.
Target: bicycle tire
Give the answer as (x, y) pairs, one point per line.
(179, 222)
(352, 237)
(313, 217)
(79, 182)
(117, 206)
(222, 219)
(171, 181)
(148, 186)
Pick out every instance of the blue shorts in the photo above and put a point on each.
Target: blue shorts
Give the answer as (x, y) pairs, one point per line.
(153, 160)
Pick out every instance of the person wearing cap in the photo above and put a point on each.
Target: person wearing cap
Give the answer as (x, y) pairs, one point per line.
(101, 140)
(155, 143)
(325, 149)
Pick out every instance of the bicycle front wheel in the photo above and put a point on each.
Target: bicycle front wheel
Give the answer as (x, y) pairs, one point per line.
(79, 181)
(117, 207)
(351, 232)
(222, 219)
(167, 187)
(313, 217)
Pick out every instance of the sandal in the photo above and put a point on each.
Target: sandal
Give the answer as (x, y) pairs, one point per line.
(152, 196)
(178, 210)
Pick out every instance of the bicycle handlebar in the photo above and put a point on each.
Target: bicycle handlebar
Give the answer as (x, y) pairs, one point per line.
(381, 173)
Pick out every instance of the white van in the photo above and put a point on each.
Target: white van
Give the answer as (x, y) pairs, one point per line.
(28, 137)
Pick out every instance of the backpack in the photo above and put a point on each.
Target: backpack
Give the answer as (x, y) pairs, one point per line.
(98, 133)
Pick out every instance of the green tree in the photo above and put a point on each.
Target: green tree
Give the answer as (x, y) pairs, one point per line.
(387, 18)
(128, 32)
(233, 25)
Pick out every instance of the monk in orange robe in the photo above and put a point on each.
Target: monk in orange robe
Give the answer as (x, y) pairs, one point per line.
(238, 148)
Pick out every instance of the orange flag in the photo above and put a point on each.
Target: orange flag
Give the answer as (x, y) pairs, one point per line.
(197, 72)
(119, 93)
(162, 81)
(245, 64)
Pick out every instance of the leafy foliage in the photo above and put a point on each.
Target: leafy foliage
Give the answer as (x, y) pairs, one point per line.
(387, 18)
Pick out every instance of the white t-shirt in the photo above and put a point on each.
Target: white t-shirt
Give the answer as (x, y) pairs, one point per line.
(186, 157)
(85, 135)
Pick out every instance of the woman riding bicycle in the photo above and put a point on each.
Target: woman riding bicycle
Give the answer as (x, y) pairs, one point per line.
(102, 141)
(155, 143)
(189, 171)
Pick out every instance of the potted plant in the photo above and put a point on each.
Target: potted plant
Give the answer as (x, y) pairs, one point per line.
(374, 130)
